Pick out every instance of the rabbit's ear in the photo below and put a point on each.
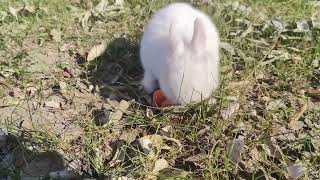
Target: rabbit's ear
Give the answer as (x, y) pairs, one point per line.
(199, 40)
(176, 42)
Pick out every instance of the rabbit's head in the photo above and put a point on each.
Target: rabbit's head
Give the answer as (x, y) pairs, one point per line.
(194, 62)
(194, 50)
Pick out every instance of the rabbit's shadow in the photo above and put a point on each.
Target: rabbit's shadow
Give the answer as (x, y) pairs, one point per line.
(118, 72)
(28, 162)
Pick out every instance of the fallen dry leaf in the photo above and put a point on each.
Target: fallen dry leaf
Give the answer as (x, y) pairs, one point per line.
(271, 148)
(231, 109)
(302, 26)
(96, 51)
(63, 87)
(30, 8)
(279, 24)
(129, 135)
(15, 11)
(56, 35)
(255, 154)
(275, 105)
(167, 130)
(64, 47)
(52, 104)
(31, 90)
(296, 125)
(148, 142)
(235, 149)
(176, 141)
(316, 63)
(67, 73)
(198, 159)
(120, 109)
(102, 116)
(172, 173)
(159, 165)
(295, 171)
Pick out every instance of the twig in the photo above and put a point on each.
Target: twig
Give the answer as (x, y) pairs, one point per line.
(260, 62)
(272, 47)
(298, 115)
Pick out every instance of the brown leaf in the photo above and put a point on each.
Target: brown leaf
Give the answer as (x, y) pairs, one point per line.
(67, 73)
(314, 93)
(31, 90)
(129, 135)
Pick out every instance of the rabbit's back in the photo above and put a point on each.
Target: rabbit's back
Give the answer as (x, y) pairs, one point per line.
(197, 75)
(154, 43)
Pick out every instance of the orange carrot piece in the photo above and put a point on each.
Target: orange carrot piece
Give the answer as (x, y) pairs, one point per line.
(166, 103)
(158, 98)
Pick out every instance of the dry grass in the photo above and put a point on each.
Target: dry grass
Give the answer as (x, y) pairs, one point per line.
(61, 113)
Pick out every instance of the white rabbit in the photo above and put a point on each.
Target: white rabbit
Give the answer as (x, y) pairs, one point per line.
(179, 52)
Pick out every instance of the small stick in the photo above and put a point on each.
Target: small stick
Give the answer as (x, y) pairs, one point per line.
(298, 115)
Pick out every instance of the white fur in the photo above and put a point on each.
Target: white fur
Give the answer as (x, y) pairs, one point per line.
(179, 52)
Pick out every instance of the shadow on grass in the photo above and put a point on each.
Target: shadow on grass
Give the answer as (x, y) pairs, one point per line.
(118, 71)
(18, 162)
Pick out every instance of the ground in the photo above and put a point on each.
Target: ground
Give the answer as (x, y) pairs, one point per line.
(71, 105)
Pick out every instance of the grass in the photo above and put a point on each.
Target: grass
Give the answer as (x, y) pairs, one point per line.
(53, 98)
